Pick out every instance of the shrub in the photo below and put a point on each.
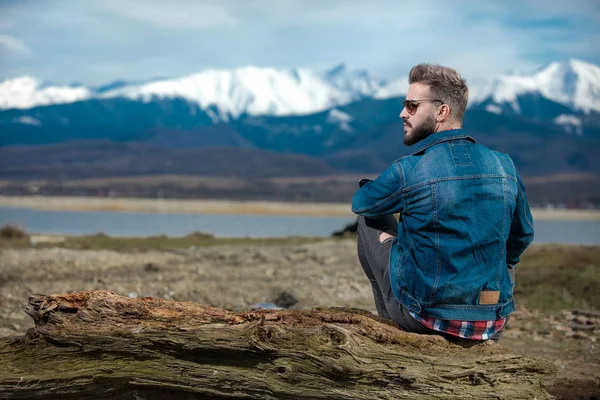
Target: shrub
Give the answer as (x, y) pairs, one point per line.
(200, 236)
(12, 232)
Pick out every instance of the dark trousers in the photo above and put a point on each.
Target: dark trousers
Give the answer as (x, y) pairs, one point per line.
(374, 256)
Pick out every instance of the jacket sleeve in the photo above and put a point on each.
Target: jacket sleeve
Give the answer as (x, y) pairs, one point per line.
(381, 196)
(521, 228)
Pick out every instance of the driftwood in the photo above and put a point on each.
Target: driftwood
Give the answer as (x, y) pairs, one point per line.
(99, 345)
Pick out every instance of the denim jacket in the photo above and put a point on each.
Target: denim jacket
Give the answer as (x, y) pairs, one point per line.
(464, 221)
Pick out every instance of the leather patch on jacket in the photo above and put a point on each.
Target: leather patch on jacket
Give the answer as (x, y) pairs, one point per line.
(489, 296)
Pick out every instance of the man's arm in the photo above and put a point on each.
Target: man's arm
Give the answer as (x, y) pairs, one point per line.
(521, 228)
(381, 196)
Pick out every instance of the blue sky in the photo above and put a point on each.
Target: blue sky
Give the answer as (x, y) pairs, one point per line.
(97, 41)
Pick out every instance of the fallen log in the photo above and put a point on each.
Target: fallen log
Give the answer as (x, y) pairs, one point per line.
(99, 345)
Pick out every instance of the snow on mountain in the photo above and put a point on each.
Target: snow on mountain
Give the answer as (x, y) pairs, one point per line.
(27, 120)
(229, 94)
(225, 93)
(340, 118)
(571, 123)
(359, 82)
(27, 92)
(395, 88)
(494, 109)
(573, 83)
(260, 91)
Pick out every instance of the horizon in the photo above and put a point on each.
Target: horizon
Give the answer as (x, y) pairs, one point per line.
(95, 43)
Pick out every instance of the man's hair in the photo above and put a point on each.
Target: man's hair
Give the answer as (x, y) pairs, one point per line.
(444, 84)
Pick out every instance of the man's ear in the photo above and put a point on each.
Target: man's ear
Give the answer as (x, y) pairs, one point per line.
(443, 113)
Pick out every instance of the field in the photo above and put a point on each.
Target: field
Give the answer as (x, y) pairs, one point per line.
(573, 190)
(557, 285)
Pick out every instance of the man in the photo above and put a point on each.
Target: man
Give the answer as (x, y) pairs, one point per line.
(447, 266)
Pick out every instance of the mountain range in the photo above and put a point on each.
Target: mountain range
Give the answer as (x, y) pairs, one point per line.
(340, 120)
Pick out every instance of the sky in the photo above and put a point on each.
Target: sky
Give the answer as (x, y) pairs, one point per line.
(94, 42)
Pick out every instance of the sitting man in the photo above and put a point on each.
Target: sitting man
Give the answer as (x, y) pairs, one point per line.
(447, 266)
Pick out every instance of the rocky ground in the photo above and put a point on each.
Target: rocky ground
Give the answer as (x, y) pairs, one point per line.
(320, 273)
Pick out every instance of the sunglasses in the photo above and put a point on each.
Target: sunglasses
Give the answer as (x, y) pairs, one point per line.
(412, 105)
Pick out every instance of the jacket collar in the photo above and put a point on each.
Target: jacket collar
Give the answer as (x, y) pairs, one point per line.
(442, 136)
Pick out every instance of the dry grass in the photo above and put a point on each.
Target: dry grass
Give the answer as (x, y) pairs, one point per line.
(552, 277)
(549, 277)
(101, 241)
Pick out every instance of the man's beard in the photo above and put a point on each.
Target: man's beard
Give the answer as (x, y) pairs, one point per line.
(421, 131)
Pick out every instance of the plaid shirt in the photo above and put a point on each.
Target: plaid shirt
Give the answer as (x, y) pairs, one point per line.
(474, 330)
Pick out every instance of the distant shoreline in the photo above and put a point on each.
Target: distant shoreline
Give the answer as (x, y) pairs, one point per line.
(183, 206)
(235, 207)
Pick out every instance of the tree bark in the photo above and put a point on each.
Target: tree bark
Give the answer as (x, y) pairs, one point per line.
(99, 345)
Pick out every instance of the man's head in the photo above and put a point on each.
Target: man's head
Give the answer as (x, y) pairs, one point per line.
(436, 100)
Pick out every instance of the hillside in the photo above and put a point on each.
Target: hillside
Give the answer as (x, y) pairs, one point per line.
(254, 123)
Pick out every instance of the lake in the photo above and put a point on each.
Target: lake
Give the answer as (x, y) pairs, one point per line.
(152, 224)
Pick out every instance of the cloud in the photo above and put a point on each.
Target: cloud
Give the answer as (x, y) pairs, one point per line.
(180, 14)
(95, 41)
(11, 46)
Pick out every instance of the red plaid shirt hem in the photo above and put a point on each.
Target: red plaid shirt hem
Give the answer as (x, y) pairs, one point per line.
(474, 330)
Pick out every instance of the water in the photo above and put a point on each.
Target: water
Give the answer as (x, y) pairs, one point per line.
(152, 224)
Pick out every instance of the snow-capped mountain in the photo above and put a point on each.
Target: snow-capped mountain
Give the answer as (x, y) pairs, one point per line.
(573, 83)
(229, 94)
(225, 94)
(356, 128)
(358, 82)
(395, 88)
(259, 91)
(27, 92)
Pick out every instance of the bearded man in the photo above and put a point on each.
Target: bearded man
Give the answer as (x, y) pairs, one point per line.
(447, 266)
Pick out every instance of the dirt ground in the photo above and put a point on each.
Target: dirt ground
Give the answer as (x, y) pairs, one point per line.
(323, 273)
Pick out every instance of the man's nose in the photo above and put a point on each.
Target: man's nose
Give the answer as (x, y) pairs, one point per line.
(404, 114)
